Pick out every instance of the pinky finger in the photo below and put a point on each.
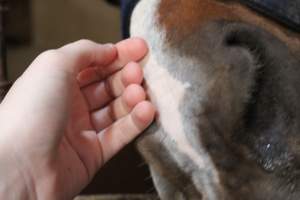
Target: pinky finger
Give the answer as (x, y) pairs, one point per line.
(122, 132)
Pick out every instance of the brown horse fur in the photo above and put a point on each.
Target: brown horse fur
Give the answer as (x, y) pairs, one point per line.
(185, 16)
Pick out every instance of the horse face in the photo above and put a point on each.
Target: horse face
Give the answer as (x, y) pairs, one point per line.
(226, 83)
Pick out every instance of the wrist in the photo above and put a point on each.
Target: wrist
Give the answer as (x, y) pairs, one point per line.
(14, 184)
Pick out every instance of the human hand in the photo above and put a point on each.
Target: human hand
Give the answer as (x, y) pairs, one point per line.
(67, 115)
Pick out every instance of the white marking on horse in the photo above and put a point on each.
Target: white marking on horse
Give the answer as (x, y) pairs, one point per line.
(166, 91)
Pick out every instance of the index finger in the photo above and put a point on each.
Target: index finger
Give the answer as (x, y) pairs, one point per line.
(132, 49)
(86, 53)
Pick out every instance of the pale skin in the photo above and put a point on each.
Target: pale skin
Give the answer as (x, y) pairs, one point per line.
(71, 111)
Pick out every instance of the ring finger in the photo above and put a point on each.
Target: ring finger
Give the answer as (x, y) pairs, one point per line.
(119, 108)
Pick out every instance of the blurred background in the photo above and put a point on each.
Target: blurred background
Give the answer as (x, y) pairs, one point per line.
(34, 26)
(37, 25)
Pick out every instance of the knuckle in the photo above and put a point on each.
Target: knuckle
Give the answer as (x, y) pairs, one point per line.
(85, 42)
(51, 55)
(51, 59)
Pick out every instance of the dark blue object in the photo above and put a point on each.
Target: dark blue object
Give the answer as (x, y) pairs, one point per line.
(127, 7)
(286, 12)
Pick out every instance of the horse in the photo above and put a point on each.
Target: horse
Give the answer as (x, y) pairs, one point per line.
(225, 78)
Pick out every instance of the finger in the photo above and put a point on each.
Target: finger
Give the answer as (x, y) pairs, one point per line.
(123, 105)
(133, 49)
(114, 138)
(85, 53)
(100, 94)
(86, 76)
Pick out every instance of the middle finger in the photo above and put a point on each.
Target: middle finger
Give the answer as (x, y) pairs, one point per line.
(100, 94)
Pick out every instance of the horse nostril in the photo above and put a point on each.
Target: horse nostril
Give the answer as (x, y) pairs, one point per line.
(270, 114)
(248, 40)
(241, 38)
